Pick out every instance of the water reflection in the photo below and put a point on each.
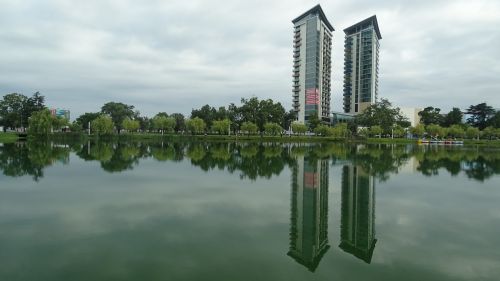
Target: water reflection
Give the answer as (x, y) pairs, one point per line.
(251, 160)
(309, 211)
(357, 230)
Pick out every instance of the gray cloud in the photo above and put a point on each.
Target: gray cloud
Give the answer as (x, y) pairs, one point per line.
(175, 55)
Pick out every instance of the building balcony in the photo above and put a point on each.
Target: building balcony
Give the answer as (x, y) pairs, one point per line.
(295, 75)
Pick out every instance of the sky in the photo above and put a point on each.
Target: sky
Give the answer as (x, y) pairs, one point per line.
(174, 56)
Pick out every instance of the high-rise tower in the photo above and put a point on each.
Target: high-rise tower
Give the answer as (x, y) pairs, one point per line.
(312, 65)
(361, 65)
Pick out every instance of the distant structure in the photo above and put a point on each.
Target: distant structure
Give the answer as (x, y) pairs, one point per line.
(309, 212)
(60, 113)
(412, 114)
(357, 222)
(361, 58)
(312, 48)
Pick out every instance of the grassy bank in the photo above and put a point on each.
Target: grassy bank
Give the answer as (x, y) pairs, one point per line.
(8, 137)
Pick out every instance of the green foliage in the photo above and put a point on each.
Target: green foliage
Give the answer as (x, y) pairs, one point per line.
(40, 123)
(494, 121)
(299, 128)
(118, 112)
(87, 118)
(221, 126)
(479, 115)
(435, 130)
(179, 122)
(431, 115)
(323, 130)
(488, 133)
(102, 125)
(313, 122)
(195, 125)
(454, 117)
(472, 132)
(381, 114)
(130, 125)
(376, 130)
(271, 128)
(398, 131)
(456, 131)
(418, 130)
(16, 109)
(59, 122)
(163, 124)
(249, 127)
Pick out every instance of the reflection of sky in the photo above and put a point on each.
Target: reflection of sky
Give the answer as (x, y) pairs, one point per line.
(169, 220)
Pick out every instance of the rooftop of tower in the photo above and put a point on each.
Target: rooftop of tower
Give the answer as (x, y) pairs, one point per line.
(372, 19)
(315, 10)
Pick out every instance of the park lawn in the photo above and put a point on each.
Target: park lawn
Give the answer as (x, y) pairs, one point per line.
(8, 137)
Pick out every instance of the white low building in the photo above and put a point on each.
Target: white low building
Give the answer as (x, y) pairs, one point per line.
(412, 114)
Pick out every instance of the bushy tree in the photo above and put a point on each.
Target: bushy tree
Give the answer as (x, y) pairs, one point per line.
(249, 127)
(398, 131)
(131, 125)
(118, 112)
(323, 130)
(102, 125)
(271, 128)
(163, 124)
(431, 115)
(454, 117)
(472, 132)
(40, 123)
(381, 114)
(456, 131)
(87, 118)
(376, 130)
(479, 115)
(221, 126)
(195, 125)
(299, 128)
(418, 130)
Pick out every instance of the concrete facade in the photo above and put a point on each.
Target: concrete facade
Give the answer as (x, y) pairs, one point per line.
(412, 114)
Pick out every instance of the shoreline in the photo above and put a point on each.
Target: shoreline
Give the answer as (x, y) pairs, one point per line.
(13, 137)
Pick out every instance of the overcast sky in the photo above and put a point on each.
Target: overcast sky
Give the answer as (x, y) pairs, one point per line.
(172, 56)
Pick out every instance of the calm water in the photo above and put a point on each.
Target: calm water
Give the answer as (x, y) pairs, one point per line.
(237, 211)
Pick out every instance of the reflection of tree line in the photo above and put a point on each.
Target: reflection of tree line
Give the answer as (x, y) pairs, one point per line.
(251, 160)
(20, 159)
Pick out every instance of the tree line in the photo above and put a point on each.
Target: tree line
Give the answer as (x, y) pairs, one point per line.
(252, 116)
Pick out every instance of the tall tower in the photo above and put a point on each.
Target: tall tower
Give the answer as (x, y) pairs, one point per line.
(361, 65)
(312, 45)
(309, 212)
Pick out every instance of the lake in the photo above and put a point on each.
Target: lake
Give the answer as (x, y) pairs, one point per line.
(248, 211)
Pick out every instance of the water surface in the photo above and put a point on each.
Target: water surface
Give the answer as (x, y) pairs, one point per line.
(248, 211)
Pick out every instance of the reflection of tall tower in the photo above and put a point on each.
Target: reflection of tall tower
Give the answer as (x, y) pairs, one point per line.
(309, 218)
(357, 229)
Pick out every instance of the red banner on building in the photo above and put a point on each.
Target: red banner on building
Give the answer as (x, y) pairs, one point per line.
(312, 96)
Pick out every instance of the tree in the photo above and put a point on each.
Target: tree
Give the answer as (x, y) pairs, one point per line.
(272, 128)
(221, 126)
(249, 128)
(418, 130)
(40, 123)
(434, 130)
(131, 125)
(454, 117)
(195, 125)
(288, 119)
(398, 131)
(118, 112)
(313, 122)
(87, 118)
(102, 125)
(494, 121)
(381, 114)
(162, 123)
(488, 132)
(431, 115)
(179, 122)
(472, 132)
(323, 130)
(456, 131)
(11, 110)
(206, 113)
(59, 122)
(376, 130)
(299, 128)
(479, 115)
